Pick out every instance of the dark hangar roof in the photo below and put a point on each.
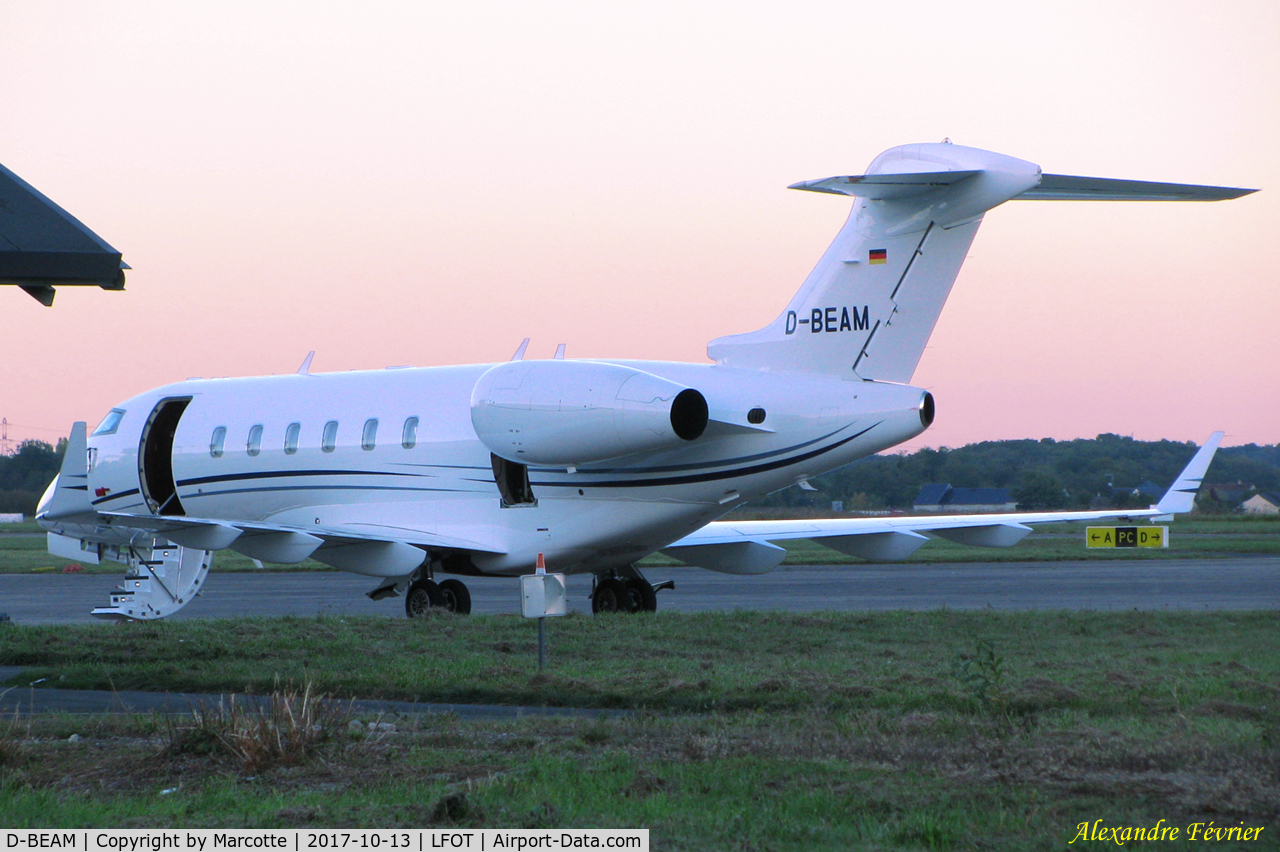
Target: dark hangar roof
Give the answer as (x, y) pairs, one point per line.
(43, 246)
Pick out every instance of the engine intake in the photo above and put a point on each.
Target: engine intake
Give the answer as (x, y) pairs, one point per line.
(578, 412)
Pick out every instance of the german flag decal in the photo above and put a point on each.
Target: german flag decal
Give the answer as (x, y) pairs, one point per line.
(878, 256)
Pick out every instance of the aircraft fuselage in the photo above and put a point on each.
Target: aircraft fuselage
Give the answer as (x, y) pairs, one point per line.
(263, 449)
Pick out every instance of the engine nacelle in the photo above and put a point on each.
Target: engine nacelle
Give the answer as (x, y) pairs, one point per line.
(578, 412)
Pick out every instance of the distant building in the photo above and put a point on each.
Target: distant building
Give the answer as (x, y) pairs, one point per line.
(941, 497)
(1150, 489)
(7, 518)
(1232, 493)
(1262, 503)
(1146, 489)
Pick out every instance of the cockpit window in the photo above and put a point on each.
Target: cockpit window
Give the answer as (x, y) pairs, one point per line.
(110, 423)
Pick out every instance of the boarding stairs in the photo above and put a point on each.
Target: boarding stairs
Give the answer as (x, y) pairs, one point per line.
(162, 578)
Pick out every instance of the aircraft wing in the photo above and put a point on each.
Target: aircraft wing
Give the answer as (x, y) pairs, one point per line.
(280, 543)
(746, 547)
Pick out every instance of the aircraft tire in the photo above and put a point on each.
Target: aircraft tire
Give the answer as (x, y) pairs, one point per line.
(643, 596)
(456, 597)
(422, 596)
(611, 596)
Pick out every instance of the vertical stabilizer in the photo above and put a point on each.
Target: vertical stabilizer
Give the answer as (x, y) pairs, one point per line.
(868, 308)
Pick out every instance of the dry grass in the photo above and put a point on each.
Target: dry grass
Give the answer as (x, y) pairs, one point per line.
(865, 779)
(285, 728)
(14, 738)
(821, 731)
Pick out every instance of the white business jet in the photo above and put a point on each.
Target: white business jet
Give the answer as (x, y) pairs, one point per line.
(408, 474)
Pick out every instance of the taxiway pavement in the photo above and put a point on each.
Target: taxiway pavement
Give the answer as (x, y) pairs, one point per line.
(1236, 583)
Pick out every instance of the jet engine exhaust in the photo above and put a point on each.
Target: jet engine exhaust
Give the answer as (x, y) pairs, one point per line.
(689, 414)
(926, 410)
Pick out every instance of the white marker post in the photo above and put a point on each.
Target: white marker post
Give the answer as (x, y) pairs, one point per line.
(542, 595)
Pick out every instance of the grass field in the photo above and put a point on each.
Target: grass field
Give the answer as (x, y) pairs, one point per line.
(938, 730)
(1204, 537)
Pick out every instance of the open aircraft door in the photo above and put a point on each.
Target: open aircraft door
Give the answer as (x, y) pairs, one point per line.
(155, 457)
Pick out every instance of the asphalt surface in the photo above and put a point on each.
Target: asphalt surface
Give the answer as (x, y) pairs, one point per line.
(1184, 584)
(1181, 584)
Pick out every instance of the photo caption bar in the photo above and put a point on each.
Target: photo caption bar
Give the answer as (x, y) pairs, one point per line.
(305, 840)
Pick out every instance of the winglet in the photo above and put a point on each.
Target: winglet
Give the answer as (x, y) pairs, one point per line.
(305, 369)
(1182, 494)
(68, 494)
(519, 356)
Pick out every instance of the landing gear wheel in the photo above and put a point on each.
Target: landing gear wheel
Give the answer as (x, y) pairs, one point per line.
(456, 597)
(421, 597)
(612, 596)
(643, 595)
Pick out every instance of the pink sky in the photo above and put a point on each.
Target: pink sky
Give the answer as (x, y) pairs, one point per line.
(410, 183)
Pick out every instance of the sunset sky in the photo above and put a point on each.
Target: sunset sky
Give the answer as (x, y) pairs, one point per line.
(428, 183)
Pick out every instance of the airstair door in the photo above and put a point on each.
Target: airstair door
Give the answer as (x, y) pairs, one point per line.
(155, 457)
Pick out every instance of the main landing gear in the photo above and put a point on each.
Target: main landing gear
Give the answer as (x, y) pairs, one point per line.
(625, 590)
(424, 595)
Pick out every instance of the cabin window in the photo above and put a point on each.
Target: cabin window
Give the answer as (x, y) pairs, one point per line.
(254, 445)
(329, 440)
(409, 438)
(291, 438)
(755, 416)
(217, 441)
(369, 437)
(110, 423)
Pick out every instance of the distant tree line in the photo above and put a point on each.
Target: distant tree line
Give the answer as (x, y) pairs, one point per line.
(1043, 474)
(25, 474)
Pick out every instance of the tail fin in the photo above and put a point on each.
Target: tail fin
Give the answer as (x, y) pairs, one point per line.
(867, 309)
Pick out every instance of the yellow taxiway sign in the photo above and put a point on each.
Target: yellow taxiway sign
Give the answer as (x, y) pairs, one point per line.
(1126, 537)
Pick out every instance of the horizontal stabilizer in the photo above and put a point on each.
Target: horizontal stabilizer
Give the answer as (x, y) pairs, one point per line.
(884, 187)
(1076, 188)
